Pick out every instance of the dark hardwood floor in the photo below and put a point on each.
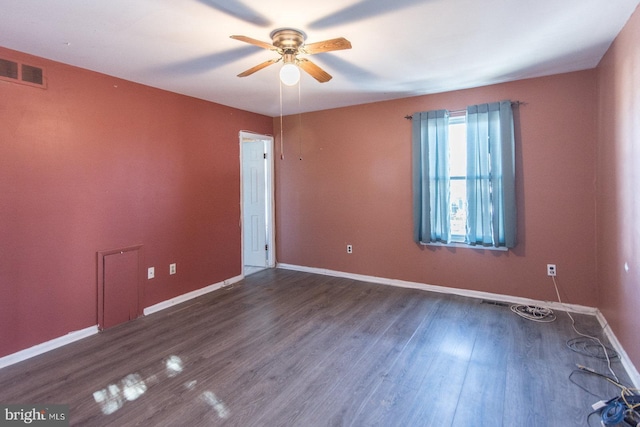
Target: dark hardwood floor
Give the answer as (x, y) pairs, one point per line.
(285, 348)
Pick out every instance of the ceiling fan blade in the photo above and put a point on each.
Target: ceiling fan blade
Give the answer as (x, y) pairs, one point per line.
(206, 63)
(327, 46)
(255, 42)
(361, 10)
(238, 10)
(314, 71)
(258, 67)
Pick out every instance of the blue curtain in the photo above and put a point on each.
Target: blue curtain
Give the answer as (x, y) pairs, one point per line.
(430, 135)
(491, 216)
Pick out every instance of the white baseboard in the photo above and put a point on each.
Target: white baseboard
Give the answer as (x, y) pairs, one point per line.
(47, 346)
(78, 335)
(190, 295)
(83, 333)
(624, 357)
(554, 305)
(574, 308)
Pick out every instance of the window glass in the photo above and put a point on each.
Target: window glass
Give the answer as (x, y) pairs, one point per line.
(457, 173)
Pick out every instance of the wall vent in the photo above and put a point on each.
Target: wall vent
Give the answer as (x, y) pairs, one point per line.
(8, 69)
(32, 74)
(17, 72)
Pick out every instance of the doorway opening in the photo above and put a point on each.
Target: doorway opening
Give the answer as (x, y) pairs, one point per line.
(257, 202)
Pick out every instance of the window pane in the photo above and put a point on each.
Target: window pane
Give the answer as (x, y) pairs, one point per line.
(458, 208)
(458, 149)
(458, 172)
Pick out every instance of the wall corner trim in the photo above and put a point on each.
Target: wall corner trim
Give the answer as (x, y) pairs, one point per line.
(47, 346)
(574, 308)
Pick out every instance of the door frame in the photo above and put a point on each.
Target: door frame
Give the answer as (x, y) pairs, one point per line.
(268, 140)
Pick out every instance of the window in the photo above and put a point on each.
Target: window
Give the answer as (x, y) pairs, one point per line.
(464, 176)
(458, 177)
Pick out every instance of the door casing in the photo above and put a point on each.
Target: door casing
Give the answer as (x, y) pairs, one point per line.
(246, 136)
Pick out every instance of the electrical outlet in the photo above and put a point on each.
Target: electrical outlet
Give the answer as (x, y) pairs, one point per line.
(551, 269)
(172, 268)
(349, 249)
(151, 272)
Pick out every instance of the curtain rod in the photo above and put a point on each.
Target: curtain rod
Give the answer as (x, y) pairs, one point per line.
(513, 103)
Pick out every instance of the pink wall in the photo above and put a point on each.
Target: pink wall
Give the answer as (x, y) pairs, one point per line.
(618, 186)
(96, 163)
(353, 186)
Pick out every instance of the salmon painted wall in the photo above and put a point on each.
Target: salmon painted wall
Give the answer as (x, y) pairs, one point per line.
(353, 186)
(618, 199)
(96, 163)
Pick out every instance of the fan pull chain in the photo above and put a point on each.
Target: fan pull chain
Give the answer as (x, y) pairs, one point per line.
(299, 121)
(281, 127)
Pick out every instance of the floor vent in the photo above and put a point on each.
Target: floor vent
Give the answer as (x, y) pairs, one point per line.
(17, 72)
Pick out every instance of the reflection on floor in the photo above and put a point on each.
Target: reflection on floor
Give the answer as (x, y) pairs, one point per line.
(290, 348)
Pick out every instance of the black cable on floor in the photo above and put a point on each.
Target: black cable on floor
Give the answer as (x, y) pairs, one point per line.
(592, 348)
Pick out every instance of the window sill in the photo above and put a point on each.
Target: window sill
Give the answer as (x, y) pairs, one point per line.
(465, 246)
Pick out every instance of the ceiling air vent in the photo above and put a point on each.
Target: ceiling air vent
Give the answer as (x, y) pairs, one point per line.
(17, 72)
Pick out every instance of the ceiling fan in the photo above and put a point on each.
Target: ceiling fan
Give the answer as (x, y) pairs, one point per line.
(289, 43)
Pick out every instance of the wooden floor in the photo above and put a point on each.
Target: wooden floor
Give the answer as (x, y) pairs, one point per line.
(285, 348)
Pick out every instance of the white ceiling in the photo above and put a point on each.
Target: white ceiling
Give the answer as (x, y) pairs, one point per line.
(400, 47)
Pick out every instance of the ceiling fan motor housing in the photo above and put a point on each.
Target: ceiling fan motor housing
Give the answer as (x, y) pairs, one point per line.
(288, 40)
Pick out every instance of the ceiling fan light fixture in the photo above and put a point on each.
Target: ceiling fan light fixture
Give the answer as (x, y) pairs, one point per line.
(289, 74)
(289, 43)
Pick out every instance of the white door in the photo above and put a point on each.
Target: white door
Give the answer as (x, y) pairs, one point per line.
(254, 204)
